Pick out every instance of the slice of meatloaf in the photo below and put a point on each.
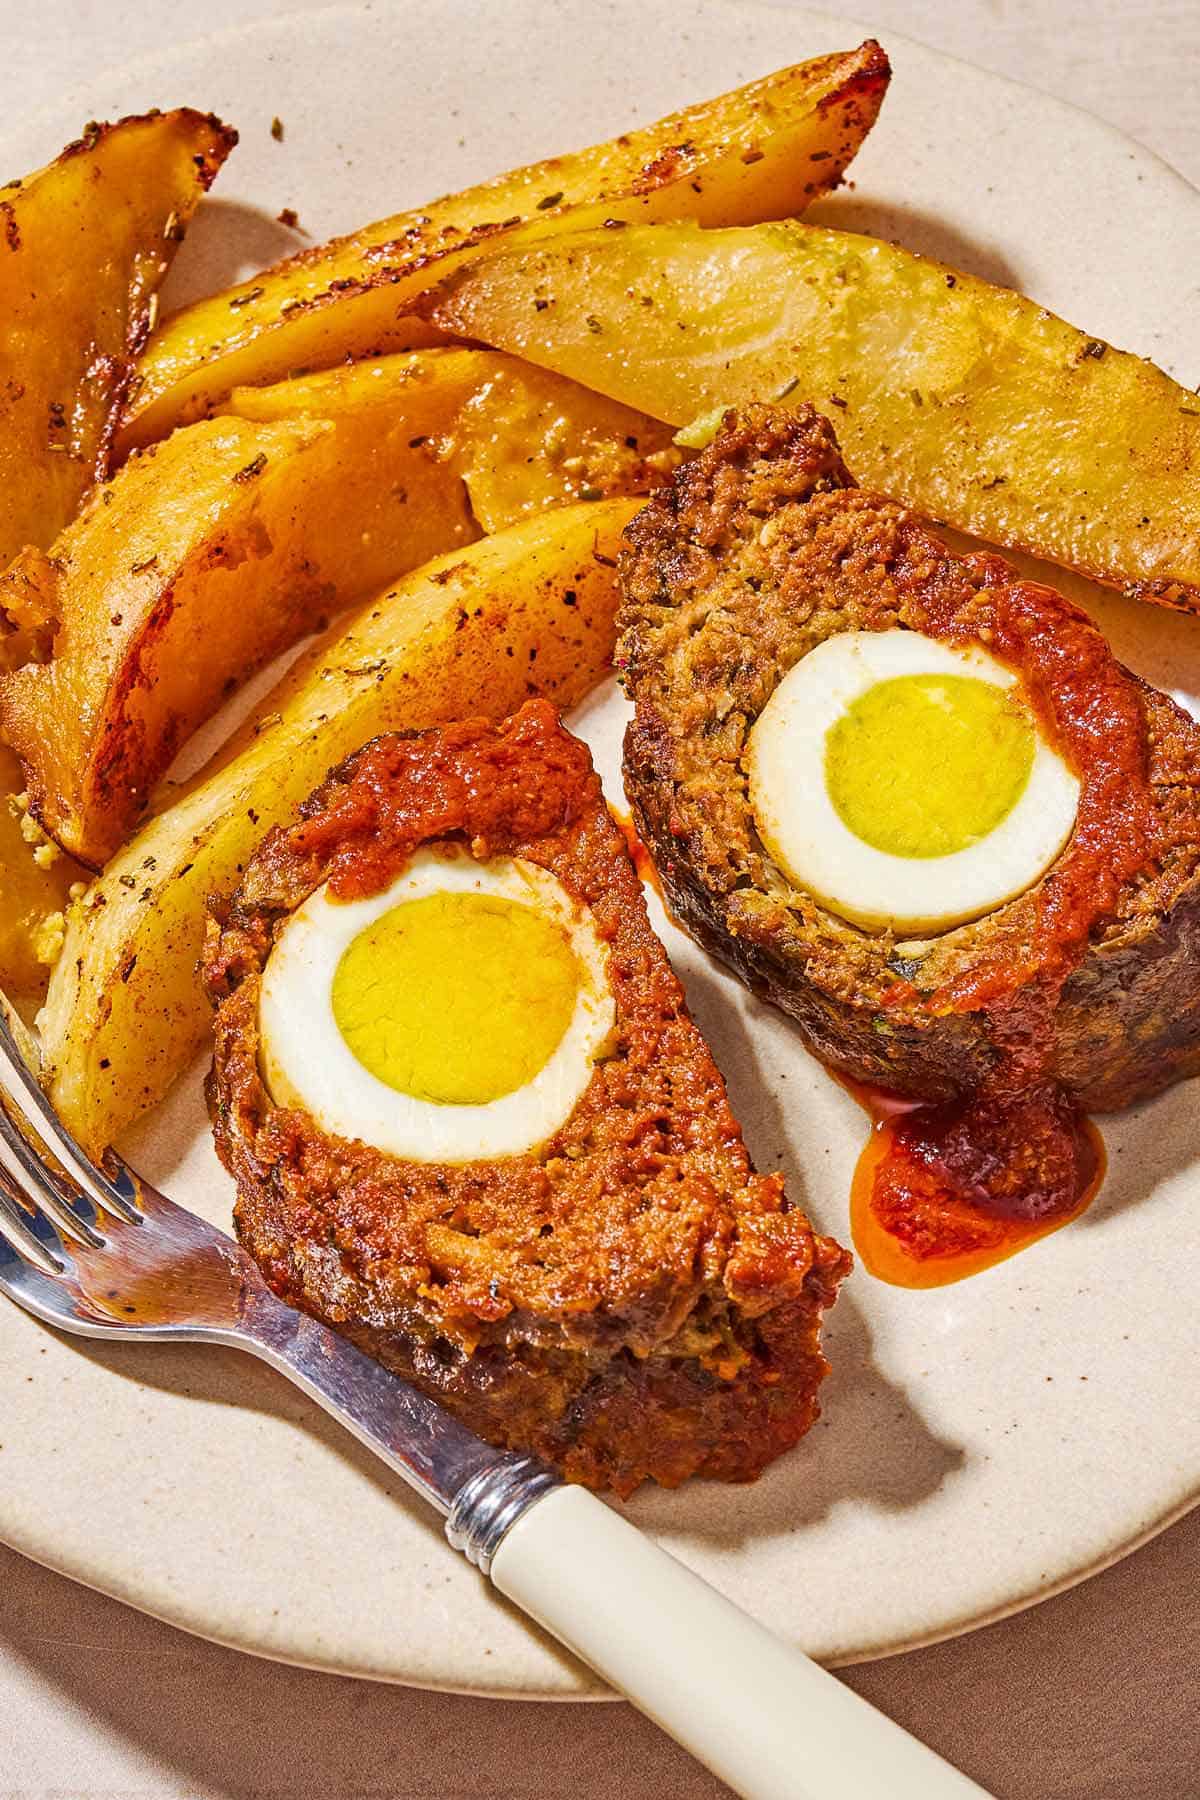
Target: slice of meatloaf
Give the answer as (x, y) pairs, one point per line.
(757, 552)
(631, 1301)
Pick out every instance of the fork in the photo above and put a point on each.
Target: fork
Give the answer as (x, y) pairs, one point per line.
(100, 1253)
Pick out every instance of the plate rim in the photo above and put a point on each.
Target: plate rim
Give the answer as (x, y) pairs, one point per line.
(145, 67)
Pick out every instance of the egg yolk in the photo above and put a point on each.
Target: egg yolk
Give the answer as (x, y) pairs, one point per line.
(925, 765)
(457, 998)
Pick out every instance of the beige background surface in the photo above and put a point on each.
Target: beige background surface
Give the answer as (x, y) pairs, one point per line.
(1095, 1695)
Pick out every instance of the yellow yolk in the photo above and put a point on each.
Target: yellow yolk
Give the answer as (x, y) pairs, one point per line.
(904, 784)
(925, 765)
(457, 1014)
(457, 998)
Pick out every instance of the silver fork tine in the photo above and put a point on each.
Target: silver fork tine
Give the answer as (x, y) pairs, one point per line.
(47, 1295)
(54, 1298)
(19, 1081)
(63, 1199)
(28, 1231)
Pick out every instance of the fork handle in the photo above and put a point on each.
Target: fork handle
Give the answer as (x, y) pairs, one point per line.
(762, 1716)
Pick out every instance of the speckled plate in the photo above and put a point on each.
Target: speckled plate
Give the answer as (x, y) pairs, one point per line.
(982, 1444)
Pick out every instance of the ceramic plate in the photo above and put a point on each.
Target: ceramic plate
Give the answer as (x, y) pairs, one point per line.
(982, 1444)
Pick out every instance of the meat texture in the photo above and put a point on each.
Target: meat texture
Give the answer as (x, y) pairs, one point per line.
(630, 1301)
(758, 551)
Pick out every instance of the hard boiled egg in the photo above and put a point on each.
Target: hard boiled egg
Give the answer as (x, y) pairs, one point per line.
(905, 783)
(457, 1015)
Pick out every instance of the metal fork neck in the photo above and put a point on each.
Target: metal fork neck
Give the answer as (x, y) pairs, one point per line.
(479, 1490)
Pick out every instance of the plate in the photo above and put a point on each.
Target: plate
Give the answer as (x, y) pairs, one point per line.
(982, 1444)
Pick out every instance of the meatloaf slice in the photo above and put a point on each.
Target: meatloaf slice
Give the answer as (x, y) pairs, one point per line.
(758, 551)
(632, 1300)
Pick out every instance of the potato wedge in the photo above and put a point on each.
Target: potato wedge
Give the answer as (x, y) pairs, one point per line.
(965, 400)
(528, 611)
(185, 573)
(238, 535)
(760, 152)
(35, 882)
(523, 439)
(85, 243)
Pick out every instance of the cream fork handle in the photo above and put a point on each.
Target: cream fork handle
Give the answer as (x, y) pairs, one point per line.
(766, 1719)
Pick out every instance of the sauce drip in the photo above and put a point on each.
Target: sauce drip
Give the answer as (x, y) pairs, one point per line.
(639, 856)
(944, 1191)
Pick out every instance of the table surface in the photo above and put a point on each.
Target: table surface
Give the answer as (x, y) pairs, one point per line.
(1092, 1696)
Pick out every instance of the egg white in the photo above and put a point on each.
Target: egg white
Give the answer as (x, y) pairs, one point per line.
(817, 851)
(307, 1063)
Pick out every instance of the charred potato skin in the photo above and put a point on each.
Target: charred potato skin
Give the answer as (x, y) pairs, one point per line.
(123, 601)
(107, 217)
(700, 664)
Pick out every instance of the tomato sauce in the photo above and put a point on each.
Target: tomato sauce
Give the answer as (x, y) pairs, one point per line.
(1091, 711)
(523, 781)
(943, 1192)
(639, 856)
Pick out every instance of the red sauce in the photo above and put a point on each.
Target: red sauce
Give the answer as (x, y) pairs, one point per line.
(639, 856)
(520, 782)
(1092, 712)
(942, 1192)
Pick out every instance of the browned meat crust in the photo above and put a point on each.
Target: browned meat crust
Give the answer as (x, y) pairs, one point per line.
(758, 551)
(631, 1301)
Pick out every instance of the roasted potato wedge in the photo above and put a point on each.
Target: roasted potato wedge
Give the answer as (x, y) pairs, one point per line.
(186, 570)
(240, 534)
(763, 151)
(527, 611)
(968, 401)
(181, 576)
(523, 439)
(85, 243)
(35, 882)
